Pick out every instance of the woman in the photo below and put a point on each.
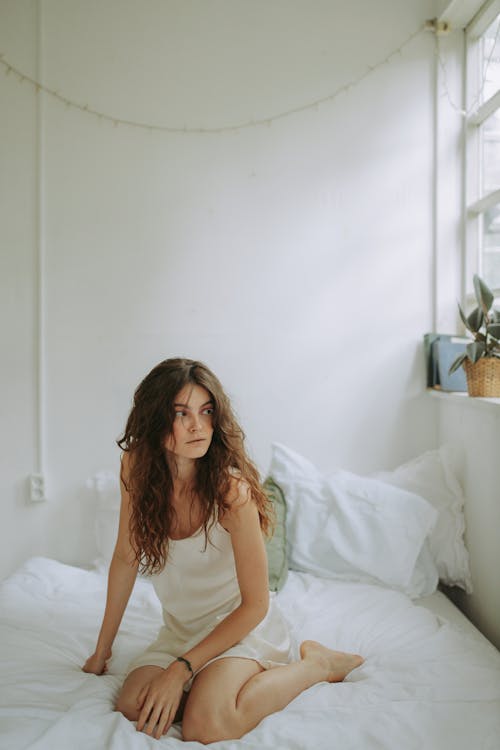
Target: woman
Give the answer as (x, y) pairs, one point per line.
(192, 515)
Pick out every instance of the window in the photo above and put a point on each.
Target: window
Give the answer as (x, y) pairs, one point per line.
(483, 145)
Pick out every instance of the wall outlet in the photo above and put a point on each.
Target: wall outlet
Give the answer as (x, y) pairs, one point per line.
(37, 488)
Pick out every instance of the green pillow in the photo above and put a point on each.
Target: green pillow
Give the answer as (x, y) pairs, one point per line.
(276, 545)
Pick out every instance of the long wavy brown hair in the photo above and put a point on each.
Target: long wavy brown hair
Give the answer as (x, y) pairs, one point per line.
(149, 478)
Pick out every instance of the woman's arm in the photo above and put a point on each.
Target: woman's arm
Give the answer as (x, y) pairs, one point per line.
(241, 520)
(159, 698)
(121, 578)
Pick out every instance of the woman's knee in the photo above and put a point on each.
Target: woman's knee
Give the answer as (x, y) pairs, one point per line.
(126, 702)
(127, 706)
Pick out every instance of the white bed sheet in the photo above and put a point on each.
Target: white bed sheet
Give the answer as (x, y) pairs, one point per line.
(426, 683)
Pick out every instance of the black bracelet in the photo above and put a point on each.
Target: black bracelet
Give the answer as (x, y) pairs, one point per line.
(187, 663)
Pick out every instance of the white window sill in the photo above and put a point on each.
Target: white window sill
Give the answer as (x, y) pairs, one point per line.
(464, 398)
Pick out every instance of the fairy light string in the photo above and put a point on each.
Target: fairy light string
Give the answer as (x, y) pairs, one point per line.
(38, 86)
(465, 113)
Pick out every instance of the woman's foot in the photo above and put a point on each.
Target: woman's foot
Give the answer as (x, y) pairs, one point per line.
(335, 665)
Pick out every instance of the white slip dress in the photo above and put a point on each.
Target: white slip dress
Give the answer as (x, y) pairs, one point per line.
(198, 588)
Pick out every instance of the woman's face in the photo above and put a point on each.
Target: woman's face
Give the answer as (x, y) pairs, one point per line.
(192, 429)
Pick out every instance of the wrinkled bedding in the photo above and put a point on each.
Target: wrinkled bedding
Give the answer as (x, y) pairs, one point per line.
(425, 683)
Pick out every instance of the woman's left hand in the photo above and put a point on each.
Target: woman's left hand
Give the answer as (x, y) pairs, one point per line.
(160, 699)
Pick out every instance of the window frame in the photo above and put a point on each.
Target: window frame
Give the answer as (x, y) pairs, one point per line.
(478, 111)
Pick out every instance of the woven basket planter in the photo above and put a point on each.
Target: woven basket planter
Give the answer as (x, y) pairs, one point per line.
(483, 377)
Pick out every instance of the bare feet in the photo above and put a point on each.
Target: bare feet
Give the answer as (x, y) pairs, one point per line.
(336, 665)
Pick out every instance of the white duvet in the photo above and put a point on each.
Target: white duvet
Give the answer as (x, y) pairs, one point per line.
(425, 683)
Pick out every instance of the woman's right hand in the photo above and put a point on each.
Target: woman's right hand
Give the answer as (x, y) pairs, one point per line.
(96, 664)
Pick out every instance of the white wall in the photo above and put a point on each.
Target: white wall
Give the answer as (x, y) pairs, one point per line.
(471, 427)
(294, 258)
(22, 527)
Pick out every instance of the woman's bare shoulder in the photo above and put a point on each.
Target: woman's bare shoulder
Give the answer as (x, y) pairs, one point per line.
(239, 490)
(236, 502)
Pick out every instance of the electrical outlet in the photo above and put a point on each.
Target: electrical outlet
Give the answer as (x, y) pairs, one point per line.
(37, 488)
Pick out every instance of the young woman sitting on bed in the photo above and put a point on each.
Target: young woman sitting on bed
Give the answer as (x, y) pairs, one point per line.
(192, 515)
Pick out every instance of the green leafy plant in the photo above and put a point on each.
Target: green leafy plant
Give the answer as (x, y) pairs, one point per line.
(484, 324)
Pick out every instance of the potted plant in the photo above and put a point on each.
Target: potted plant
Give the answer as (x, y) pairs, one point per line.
(481, 359)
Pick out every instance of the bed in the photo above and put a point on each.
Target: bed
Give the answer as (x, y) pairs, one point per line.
(430, 679)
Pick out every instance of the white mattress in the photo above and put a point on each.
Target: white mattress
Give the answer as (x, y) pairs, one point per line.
(440, 605)
(426, 683)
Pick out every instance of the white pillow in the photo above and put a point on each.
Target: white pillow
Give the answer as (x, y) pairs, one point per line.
(106, 485)
(354, 528)
(425, 578)
(432, 477)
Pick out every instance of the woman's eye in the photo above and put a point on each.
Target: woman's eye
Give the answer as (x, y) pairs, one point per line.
(208, 412)
(180, 413)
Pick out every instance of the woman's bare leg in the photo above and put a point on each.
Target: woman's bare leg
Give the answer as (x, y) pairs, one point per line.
(227, 700)
(127, 701)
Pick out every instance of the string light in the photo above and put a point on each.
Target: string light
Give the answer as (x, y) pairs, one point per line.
(444, 79)
(236, 128)
(466, 113)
